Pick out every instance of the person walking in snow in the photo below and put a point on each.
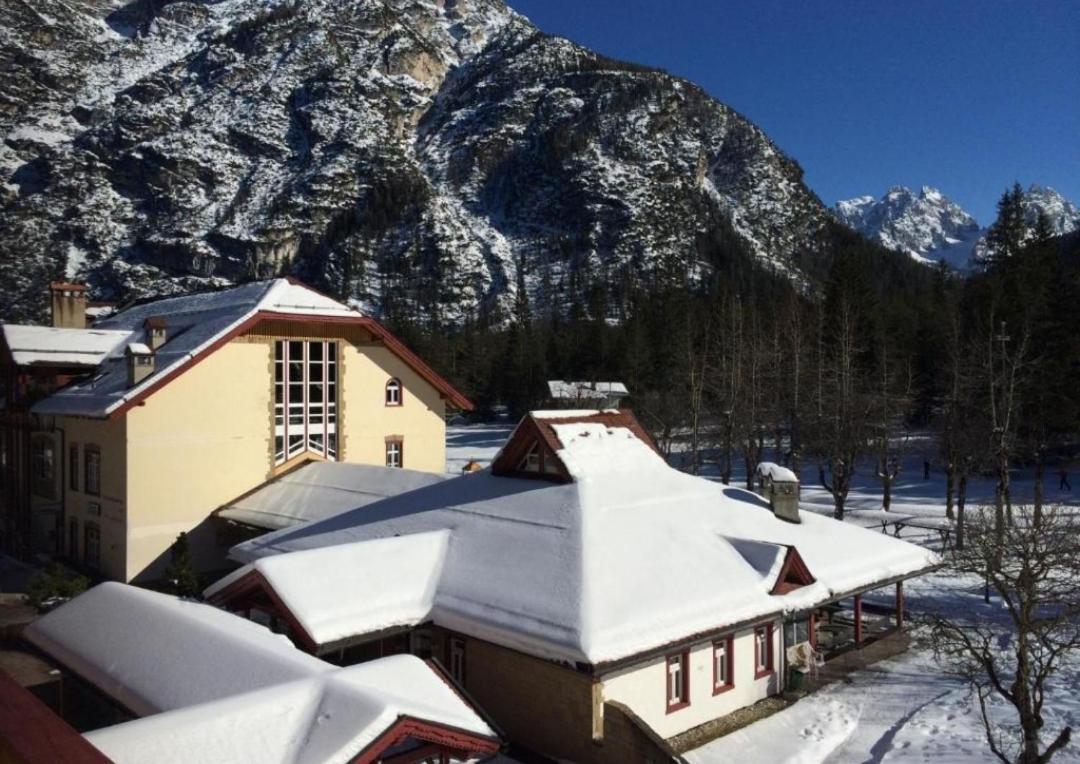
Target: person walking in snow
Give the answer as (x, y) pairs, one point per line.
(1063, 484)
(926, 469)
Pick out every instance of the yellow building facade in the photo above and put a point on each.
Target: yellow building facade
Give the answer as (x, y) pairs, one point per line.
(271, 392)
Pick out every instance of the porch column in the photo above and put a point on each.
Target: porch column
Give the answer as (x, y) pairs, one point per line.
(858, 619)
(812, 621)
(899, 604)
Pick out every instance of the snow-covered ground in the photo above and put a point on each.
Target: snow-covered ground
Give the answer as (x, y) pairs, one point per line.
(900, 710)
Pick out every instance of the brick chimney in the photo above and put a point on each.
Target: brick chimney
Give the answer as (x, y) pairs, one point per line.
(157, 333)
(140, 362)
(68, 305)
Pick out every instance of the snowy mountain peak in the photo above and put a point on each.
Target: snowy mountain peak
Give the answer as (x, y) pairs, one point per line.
(930, 227)
(1063, 214)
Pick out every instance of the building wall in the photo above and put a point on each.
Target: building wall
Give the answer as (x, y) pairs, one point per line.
(207, 437)
(368, 421)
(108, 511)
(541, 705)
(643, 688)
(196, 444)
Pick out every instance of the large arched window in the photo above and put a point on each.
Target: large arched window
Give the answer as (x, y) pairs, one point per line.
(393, 392)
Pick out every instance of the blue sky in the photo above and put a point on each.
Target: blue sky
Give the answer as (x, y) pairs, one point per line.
(964, 95)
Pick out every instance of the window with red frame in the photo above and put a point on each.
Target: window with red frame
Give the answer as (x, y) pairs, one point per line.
(723, 664)
(678, 681)
(763, 651)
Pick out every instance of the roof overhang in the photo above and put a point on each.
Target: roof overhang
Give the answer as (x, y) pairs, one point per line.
(668, 647)
(380, 332)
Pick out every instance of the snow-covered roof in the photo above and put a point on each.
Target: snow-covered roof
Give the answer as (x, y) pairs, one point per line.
(776, 472)
(151, 652)
(55, 346)
(195, 323)
(322, 489)
(627, 556)
(139, 348)
(199, 323)
(349, 589)
(563, 390)
(326, 719)
(216, 687)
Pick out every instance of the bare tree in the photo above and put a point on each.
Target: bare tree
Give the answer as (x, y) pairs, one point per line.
(1006, 364)
(839, 432)
(1033, 565)
(963, 424)
(893, 397)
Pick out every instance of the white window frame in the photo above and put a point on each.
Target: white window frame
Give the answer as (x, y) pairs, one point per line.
(395, 453)
(305, 399)
(394, 392)
(677, 676)
(457, 659)
(723, 664)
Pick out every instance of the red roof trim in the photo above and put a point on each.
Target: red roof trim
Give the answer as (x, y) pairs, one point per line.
(30, 731)
(253, 581)
(794, 574)
(458, 740)
(384, 334)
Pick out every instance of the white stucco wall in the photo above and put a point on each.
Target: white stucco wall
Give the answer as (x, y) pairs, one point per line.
(644, 687)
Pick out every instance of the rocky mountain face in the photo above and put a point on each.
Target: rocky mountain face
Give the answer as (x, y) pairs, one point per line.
(930, 227)
(433, 154)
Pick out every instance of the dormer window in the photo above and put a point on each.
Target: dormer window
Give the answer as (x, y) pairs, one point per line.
(393, 392)
(533, 462)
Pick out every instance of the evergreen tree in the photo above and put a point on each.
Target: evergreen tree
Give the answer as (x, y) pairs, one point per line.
(1006, 236)
(180, 574)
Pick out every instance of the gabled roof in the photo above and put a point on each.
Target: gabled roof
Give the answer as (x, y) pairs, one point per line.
(350, 714)
(539, 428)
(627, 557)
(53, 346)
(198, 325)
(338, 592)
(216, 687)
(318, 490)
(151, 652)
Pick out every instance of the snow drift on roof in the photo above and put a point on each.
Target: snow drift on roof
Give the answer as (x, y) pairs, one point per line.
(151, 652)
(340, 591)
(585, 571)
(325, 720)
(48, 345)
(322, 489)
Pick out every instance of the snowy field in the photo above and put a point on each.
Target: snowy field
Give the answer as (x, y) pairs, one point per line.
(902, 709)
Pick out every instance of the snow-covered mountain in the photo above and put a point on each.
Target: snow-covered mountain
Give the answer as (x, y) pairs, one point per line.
(401, 152)
(930, 227)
